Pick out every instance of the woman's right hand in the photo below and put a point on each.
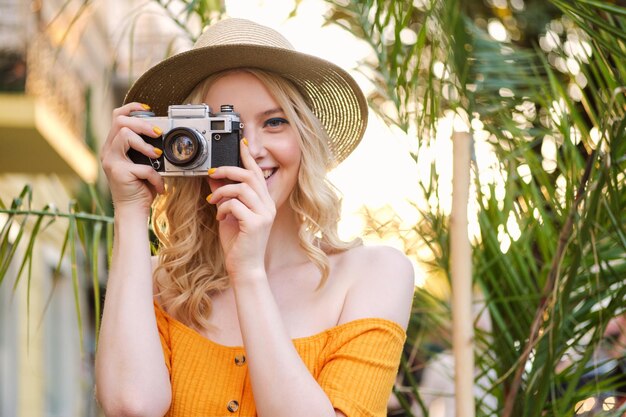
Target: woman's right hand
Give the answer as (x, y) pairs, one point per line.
(132, 185)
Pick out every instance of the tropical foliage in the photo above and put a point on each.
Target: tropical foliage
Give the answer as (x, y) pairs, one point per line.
(542, 88)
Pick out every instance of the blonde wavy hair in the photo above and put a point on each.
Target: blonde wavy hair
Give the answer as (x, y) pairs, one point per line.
(191, 267)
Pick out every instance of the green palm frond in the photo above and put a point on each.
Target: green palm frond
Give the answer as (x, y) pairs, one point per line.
(549, 260)
(23, 226)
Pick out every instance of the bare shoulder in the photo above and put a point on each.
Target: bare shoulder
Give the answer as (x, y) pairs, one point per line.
(382, 286)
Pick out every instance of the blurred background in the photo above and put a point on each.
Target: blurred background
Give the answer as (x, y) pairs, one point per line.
(540, 85)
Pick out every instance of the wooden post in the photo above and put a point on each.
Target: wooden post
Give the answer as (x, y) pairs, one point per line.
(461, 270)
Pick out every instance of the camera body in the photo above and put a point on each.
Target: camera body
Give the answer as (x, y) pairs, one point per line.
(194, 139)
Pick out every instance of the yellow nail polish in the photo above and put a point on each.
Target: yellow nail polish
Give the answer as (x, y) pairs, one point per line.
(245, 141)
(157, 130)
(158, 151)
(208, 198)
(212, 171)
(145, 106)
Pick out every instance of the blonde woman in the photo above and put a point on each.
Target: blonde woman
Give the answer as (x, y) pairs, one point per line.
(254, 306)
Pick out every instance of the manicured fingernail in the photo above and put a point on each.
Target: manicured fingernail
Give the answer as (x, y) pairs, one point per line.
(157, 130)
(212, 171)
(208, 198)
(145, 106)
(158, 151)
(245, 141)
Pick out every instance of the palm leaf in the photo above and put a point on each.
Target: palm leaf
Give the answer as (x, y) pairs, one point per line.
(565, 293)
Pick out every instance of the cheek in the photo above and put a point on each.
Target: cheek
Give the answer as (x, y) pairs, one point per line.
(292, 153)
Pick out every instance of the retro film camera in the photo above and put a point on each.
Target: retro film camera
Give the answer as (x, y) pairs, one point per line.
(193, 140)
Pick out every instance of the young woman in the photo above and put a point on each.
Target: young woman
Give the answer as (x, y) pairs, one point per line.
(254, 305)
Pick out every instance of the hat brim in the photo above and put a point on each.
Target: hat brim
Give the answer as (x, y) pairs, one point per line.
(334, 96)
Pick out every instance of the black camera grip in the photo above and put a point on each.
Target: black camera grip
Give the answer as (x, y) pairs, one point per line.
(225, 149)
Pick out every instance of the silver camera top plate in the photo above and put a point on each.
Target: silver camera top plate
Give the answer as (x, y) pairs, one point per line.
(189, 111)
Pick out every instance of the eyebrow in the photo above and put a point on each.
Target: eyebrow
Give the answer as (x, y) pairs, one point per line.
(271, 111)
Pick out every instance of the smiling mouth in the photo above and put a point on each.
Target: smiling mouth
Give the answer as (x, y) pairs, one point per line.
(268, 173)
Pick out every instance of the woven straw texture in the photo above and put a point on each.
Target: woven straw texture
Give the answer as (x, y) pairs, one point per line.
(332, 93)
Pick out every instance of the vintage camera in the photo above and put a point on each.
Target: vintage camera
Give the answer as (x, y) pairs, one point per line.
(193, 140)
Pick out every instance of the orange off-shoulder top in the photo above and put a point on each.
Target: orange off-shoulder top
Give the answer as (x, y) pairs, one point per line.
(355, 363)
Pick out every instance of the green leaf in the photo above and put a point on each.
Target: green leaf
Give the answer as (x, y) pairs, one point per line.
(74, 268)
(95, 273)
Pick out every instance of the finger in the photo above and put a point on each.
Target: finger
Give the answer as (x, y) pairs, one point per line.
(241, 192)
(124, 141)
(247, 159)
(122, 120)
(227, 175)
(147, 173)
(253, 177)
(130, 139)
(234, 208)
(130, 107)
(139, 125)
(232, 173)
(214, 184)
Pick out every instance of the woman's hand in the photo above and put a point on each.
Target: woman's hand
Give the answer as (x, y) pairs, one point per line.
(132, 185)
(246, 213)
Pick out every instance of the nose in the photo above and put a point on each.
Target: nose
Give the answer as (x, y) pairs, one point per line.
(255, 144)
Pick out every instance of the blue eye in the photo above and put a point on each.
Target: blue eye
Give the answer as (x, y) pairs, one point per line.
(275, 122)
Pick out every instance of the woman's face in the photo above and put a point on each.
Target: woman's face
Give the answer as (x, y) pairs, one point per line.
(272, 141)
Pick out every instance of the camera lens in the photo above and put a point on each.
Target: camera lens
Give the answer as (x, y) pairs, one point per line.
(184, 147)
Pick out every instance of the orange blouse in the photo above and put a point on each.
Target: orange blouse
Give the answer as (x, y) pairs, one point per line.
(355, 363)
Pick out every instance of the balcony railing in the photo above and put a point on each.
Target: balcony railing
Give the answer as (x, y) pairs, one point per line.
(30, 64)
(52, 79)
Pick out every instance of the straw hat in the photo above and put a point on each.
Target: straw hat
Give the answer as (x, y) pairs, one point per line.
(331, 92)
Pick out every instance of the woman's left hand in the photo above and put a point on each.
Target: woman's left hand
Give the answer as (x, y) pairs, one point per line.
(245, 211)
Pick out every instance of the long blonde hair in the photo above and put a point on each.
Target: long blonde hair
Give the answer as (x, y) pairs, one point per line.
(191, 266)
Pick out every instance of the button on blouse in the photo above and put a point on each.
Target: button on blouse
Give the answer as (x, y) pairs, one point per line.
(232, 406)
